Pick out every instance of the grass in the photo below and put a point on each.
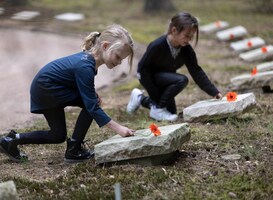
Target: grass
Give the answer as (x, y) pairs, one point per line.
(199, 172)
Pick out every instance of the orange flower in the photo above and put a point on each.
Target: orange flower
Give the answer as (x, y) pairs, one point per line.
(264, 49)
(231, 96)
(254, 71)
(155, 130)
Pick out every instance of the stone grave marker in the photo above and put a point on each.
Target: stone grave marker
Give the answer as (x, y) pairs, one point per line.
(216, 109)
(70, 17)
(143, 148)
(8, 191)
(262, 53)
(213, 27)
(248, 81)
(266, 66)
(25, 15)
(247, 44)
(231, 33)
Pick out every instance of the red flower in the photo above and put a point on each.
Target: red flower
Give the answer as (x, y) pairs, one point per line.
(264, 49)
(231, 36)
(254, 71)
(231, 96)
(249, 44)
(155, 130)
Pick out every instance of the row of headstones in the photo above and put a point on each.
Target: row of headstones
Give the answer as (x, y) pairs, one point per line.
(29, 15)
(250, 50)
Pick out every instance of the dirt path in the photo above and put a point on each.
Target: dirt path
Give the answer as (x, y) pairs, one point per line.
(22, 54)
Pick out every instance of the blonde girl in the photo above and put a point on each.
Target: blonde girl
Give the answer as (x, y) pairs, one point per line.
(69, 81)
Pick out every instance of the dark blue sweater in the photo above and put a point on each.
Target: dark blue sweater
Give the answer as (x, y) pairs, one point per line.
(158, 58)
(68, 81)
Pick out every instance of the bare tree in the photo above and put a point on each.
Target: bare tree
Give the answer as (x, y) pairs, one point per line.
(156, 5)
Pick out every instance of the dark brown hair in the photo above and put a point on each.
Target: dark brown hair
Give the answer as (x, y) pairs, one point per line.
(182, 21)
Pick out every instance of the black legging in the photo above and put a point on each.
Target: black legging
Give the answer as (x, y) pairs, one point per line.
(168, 85)
(58, 133)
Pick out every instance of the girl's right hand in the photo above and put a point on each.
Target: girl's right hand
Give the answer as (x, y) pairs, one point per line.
(119, 129)
(125, 132)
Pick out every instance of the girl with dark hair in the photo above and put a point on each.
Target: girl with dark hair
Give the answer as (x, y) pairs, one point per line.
(157, 69)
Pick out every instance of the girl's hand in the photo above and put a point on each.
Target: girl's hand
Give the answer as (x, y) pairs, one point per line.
(119, 129)
(218, 96)
(125, 132)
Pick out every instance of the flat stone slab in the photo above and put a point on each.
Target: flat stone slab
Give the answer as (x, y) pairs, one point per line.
(259, 54)
(25, 15)
(216, 109)
(142, 145)
(213, 27)
(247, 44)
(231, 33)
(248, 81)
(70, 17)
(266, 66)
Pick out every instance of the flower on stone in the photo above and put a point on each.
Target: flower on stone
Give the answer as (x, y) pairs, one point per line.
(231, 96)
(155, 130)
(254, 71)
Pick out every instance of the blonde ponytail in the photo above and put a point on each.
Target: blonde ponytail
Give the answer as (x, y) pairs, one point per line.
(90, 41)
(116, 35)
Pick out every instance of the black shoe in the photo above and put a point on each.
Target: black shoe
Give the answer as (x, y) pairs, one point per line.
(76, 152)
(8, 146)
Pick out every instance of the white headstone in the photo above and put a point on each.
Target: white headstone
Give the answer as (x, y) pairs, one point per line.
(70, 16)
(267, 66)
(247, 44)
(261, 53)
(231, 33)
(248, 81)
(142, 144)
(213, 27)
(25, 15)
(216, 109)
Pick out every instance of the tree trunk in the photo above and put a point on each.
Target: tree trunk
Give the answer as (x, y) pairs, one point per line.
(16, 2)
(156, 5)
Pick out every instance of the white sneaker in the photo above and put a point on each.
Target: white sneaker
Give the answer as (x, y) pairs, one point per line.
(134, 102)
(161, 114)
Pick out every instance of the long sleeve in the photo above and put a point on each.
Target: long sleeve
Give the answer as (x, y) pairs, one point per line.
(197, 73)
(85, 82)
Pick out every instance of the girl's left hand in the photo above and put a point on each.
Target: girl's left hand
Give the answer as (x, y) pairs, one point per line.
(218, 96)
(99, 99)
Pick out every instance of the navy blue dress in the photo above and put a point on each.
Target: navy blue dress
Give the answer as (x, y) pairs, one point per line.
(68, 81)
